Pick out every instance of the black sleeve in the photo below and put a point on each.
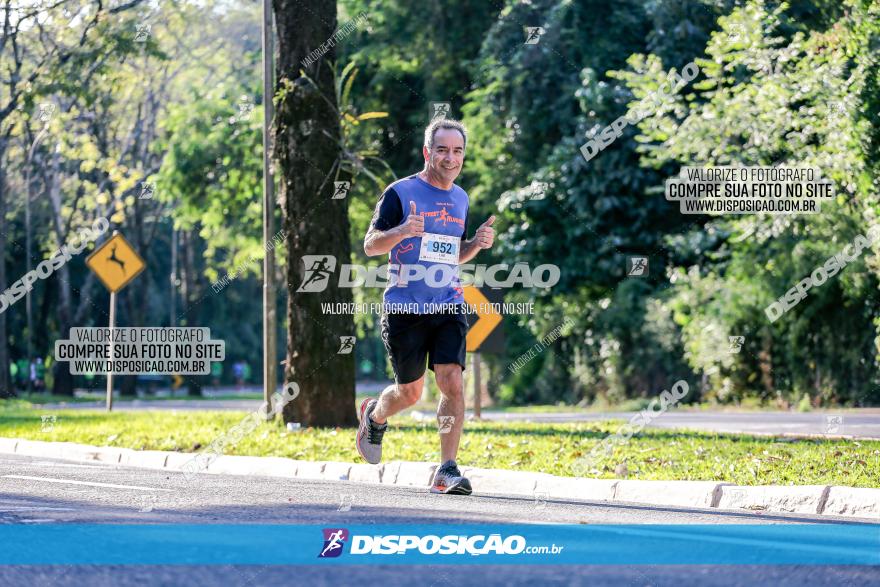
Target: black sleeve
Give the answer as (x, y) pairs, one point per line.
(389, 212)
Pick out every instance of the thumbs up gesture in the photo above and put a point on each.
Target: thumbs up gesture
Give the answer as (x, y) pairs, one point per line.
(485, 236)
(414, 224)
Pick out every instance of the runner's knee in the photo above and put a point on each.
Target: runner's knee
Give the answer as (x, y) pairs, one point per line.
(410, 392)
(450, 383)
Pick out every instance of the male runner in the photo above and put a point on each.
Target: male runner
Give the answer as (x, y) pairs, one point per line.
(431, 234)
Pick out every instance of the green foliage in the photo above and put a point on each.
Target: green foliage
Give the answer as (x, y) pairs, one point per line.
(212, 174)
(591, 216)
(804, 405)
(770, 92)
(794, 83)
(784, 83)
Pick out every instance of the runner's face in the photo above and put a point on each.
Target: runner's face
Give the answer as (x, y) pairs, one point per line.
(446, 158)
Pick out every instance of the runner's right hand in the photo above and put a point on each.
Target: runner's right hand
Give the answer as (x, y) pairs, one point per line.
(414, 225)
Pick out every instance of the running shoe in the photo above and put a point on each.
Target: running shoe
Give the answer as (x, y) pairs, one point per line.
(448, 479)
(369, 436)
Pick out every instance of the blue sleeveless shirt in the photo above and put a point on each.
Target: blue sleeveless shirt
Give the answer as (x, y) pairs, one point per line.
(446, 219)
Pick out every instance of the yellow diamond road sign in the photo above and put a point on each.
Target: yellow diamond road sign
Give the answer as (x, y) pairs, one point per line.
(488, 318)
(115, 263)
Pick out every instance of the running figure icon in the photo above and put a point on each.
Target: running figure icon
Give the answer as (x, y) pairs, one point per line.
(333, 543)
(319, 272)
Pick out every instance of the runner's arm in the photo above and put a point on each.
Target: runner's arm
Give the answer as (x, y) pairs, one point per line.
(380, 242)
(386, 230)
(469, 250)
(483, 239)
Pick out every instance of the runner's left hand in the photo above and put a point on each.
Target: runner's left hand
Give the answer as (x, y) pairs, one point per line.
(485, 236)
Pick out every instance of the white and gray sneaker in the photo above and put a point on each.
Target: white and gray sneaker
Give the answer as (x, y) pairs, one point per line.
(369, 436)
(448, 479)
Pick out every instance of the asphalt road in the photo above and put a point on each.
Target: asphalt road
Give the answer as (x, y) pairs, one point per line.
(44, 491)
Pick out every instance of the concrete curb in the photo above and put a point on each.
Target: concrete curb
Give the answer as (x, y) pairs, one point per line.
(853, 501)
(151, 459)
(502, 480)
(704, 494)
(235, 465)
(550, 486)
(415, 474)
(7, 445)
(802, 499)
(365, 473)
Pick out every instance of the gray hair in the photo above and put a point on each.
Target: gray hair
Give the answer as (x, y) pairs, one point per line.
(439, 123)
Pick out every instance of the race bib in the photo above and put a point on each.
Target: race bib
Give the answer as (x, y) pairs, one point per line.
(440, 248)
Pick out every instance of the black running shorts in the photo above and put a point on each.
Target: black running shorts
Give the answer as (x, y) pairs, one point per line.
(410, 338)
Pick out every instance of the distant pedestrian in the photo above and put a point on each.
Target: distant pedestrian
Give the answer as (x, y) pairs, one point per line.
(238, 374)
(246, 372)
(216, 373)
(37, 374)
(23, 371)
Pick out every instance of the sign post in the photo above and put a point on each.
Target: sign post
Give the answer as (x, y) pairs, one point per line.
(115, 263)
(487, 319)
(482, 334)
(478, 385)
(111, 326)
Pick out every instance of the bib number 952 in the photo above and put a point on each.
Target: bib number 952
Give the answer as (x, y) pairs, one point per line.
(440, 248)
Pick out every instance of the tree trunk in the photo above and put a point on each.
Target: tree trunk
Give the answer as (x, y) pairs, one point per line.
(62, 379)
(135, 298)
(306, 145)
(192, 294)
(133, 313)
(6, 389)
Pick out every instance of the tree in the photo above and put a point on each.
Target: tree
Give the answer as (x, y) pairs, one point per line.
(775, 89)
(308, 152)
(588, 217)
(51, 50)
